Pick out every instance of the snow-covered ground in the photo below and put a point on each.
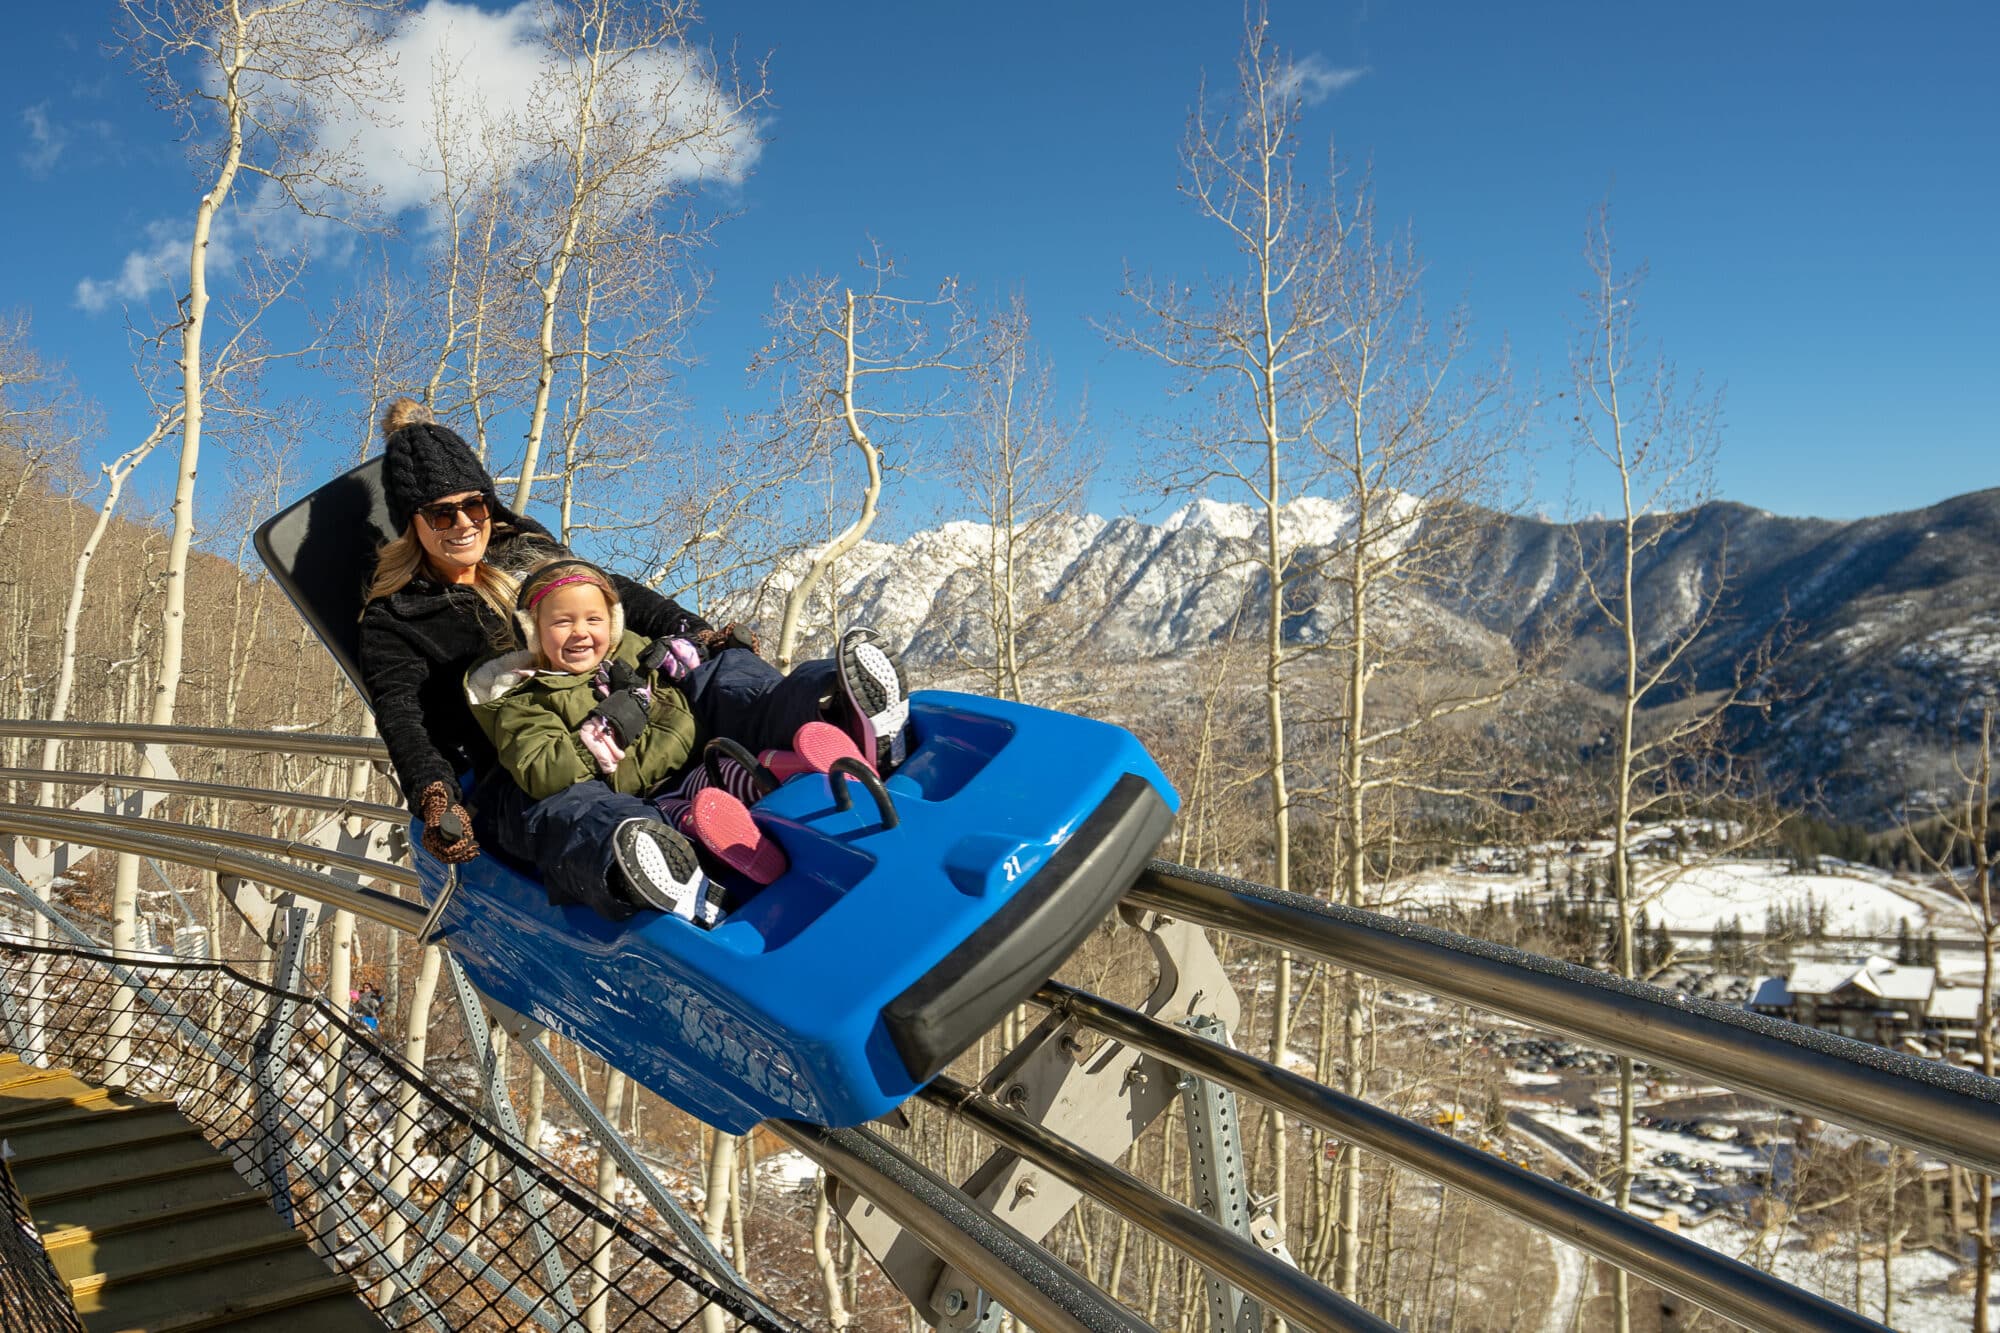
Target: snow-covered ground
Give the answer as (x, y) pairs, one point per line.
(787, 1170)
(1856, 900)
(1923, 1304)
(1676, 1163)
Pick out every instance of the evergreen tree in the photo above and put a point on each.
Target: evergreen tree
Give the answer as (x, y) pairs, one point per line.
(1905, 951)
(1663, 943)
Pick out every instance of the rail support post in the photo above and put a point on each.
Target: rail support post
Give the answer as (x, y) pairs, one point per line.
(1101, 1096)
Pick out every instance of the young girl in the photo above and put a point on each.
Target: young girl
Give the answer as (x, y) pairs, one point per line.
(587, 701)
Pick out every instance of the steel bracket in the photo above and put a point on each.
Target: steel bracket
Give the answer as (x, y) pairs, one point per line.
(1101, 1095)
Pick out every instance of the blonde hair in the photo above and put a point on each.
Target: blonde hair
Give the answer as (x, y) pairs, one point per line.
(401, 558)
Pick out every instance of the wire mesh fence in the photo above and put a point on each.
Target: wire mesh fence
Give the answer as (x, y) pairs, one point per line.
(33, 1296)
(443, 1222)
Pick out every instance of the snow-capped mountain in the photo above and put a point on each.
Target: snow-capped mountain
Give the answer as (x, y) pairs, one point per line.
(1888, 626)
(1134, 590)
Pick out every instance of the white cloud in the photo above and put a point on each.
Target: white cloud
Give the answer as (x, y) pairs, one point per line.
(1312, 80)
(160, 264)
(489, 77)
(46, 140)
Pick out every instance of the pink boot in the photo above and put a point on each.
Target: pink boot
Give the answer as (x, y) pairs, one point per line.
(720, 825)
(815, 747)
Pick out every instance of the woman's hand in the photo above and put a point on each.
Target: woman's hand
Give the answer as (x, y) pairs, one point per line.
(447, 827)
(732, 635)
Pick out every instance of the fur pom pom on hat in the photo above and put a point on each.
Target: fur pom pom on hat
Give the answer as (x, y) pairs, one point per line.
(422, 461)
(558, 573)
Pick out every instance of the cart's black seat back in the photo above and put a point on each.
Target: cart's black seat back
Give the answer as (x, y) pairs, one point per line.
(321, 551)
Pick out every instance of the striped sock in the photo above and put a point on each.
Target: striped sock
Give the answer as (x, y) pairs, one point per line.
(737, 780)
(676, 810)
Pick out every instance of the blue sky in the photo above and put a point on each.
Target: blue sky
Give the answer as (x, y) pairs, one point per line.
(1814, 188)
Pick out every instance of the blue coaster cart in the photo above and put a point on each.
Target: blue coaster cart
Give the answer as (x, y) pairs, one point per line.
(910, 920)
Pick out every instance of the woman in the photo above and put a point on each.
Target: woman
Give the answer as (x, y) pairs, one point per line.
(442, 598)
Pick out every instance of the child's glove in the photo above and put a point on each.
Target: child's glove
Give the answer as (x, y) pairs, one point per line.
(625, 713)
(672, 658)
(595, 733)
(447, 827)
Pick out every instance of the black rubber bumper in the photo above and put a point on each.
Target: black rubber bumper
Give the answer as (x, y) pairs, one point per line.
(1020, 946)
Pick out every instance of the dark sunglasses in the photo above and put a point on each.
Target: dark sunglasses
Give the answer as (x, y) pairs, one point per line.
(443, 516)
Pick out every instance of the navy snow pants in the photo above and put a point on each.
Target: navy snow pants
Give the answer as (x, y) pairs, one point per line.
(567, 836)
(739, 695)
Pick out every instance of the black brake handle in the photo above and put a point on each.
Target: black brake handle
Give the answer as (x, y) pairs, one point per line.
(848, 766)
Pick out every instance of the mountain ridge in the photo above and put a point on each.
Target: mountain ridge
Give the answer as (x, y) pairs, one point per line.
(1891, 622)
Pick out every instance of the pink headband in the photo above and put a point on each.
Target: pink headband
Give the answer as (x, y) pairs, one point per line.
(553, 584)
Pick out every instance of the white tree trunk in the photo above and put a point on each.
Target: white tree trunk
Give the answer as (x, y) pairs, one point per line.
(871, 498)
(715, 1213)
(829, 1272)
(115, 475)
(551, 291)
(607, 1193)
(173, 631)
(403, 1149)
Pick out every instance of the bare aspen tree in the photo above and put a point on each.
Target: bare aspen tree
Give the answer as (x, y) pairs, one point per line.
(1658, 445)
(1957, 848)
(608, 1180)
(1412, 448)
(847, 363)
(42, 425)
(374, 350)
(1242, 350)
(42, 421)
(250, 81)
(407, 1124)
(625, 122)
(1020, 466)
(715, 1208)
(471, 301)
(726, 521)
(115, 474)
(1213, 776)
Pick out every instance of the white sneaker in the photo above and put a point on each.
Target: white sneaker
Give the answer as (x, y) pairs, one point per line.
(660, 868)
(877, 698)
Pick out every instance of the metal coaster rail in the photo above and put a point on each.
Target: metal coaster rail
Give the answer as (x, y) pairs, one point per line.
(1710, 1279)
(369, 904)
(1922, 1104)
(401, 876)
(220, 738)
(298, 800)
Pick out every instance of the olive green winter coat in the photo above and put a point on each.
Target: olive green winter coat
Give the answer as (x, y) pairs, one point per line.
(532, 716)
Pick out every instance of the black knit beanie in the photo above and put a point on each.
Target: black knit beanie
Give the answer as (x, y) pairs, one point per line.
(422, 460)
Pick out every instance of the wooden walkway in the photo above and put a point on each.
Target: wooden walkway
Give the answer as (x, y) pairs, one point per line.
(151, 1227)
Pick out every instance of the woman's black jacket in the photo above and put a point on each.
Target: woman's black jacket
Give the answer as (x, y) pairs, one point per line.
(418, 643)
